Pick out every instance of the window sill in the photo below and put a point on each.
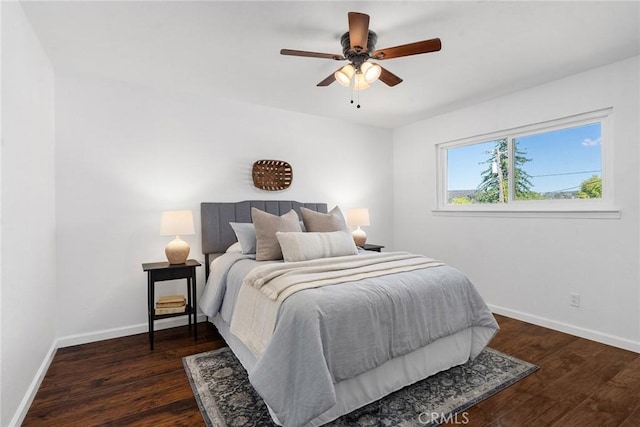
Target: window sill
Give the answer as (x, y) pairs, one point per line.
(531, 213)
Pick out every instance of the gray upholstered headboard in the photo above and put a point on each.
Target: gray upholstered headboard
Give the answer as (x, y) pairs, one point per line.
(217, 234)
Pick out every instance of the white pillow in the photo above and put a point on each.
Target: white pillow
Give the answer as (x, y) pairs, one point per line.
(236, 247)
(311, 245)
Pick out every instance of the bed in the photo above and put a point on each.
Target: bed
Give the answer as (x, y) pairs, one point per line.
(334, 348)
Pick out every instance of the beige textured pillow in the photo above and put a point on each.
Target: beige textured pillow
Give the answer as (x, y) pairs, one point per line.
(323, 222)
(309, 245)
(266, 225)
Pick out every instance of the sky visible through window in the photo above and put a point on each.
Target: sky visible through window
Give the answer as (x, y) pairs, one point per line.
(560, 160)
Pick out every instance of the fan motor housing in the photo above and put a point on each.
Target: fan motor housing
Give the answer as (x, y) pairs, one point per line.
(358, 56)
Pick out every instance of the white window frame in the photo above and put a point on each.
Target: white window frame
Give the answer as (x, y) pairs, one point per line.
(563, 208)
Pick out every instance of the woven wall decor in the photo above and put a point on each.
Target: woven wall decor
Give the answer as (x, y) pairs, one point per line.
(272, 175)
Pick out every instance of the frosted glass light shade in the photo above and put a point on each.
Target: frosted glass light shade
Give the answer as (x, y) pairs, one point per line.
(343, 75)
(177, 223)
(371, 72)
(359, 83)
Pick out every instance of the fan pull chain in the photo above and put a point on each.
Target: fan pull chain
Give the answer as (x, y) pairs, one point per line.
(358, 95)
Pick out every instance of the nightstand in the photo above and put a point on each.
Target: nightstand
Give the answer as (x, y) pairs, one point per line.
(375, 248)
(161, 271)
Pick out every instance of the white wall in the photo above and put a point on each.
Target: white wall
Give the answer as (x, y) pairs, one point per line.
(125, 153)
(526, 267)
(1, 144)
(28, 213)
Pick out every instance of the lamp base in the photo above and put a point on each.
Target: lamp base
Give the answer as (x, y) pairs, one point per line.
(359, 237)
(177, 251)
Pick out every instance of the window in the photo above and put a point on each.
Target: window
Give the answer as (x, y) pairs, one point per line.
(560, 164)
(548, 166)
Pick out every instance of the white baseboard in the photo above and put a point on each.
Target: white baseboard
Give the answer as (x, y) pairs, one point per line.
(70, 340)
(124, 331)
(25, 404)
(578, 331)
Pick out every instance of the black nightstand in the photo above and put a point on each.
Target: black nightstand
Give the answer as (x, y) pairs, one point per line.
(375, 248)
(160, 271)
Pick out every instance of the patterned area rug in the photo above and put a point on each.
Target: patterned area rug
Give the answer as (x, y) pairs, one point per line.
(226, 398)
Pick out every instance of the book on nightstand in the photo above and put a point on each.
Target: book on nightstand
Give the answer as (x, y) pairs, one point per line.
(171, 304)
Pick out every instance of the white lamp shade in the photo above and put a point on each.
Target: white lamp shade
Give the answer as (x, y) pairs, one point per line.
(176, 223)
(343, 75)
(371, 71)
(358, 217)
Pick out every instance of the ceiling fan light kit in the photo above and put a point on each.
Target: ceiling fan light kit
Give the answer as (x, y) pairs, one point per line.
(358, 47)
(367, 74)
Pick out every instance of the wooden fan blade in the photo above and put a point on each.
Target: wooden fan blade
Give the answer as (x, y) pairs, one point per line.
(416, 48)
(388, 78)
(358, 31)
(328, 80)
(311, 54)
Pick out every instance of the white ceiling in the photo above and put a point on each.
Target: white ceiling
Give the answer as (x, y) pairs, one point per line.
(231, 49)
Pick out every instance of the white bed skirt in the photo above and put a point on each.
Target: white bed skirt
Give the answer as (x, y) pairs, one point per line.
(392, 375)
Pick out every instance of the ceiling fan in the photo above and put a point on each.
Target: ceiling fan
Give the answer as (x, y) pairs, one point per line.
(358, 47)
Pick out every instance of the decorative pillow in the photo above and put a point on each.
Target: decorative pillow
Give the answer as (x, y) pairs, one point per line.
(323, 222)
(310, 245)
(246, 234)
(266, 226)
(236, 248)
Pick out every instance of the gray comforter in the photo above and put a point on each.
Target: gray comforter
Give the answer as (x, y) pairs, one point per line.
(333, 333)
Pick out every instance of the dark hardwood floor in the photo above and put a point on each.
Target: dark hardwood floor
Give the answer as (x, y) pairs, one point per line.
(121, 382)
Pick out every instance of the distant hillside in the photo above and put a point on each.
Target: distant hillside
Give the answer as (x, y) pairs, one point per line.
(546, 196)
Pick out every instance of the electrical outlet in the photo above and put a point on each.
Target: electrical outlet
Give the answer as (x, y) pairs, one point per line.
(574, 300)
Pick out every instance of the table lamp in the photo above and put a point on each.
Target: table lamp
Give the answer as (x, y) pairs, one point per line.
(358, 217)
(177, 223)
